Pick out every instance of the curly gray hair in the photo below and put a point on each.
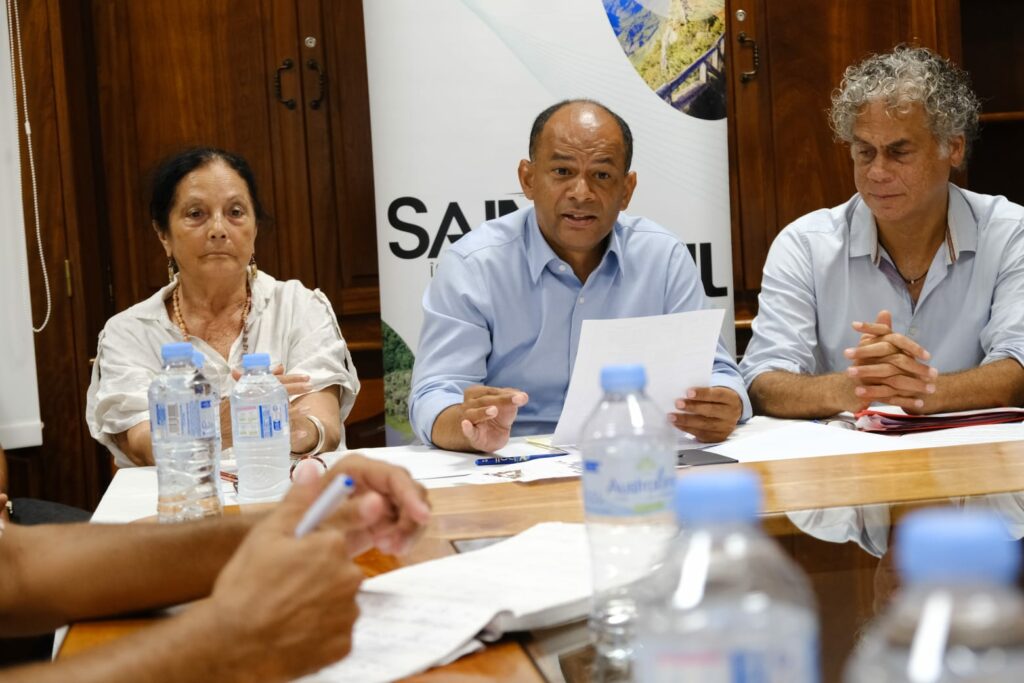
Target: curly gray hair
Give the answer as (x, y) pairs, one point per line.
(901, 78)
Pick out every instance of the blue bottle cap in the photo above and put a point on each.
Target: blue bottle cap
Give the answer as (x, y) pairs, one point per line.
(176, 351)
(256, 360)
(622, 378)
(944, 545)
(198, 360)
(716, 497)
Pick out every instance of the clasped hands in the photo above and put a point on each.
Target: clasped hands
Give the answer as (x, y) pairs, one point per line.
(889, 367)
(487, 413)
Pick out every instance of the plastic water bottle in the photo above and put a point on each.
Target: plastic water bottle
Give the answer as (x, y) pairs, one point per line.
(959, 616)
(728, 605)
(629, 470)
(187, 458)
(260, 432)
(209, 412)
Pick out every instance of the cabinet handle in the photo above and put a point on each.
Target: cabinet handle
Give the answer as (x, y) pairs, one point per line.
(321, 80)
(285, 66)
(745, 40)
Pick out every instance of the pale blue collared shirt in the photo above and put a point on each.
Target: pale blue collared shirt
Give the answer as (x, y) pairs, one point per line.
(504, 310)
(827, 269)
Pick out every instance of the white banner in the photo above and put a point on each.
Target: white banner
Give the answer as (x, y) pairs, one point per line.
(454, 88)
(19, 397)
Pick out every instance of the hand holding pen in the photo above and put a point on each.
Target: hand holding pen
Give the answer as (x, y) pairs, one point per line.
(387, 509)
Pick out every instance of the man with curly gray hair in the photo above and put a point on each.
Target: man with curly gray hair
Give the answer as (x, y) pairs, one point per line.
(909, 293)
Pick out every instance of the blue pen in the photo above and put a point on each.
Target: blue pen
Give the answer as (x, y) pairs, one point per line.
(337, 491)
(512, 460)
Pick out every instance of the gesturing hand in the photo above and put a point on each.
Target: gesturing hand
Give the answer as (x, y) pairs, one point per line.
(488, 414)
(888, 366)
(711, 413)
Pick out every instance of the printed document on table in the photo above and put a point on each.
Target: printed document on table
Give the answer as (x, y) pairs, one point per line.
(806, 440)
(677, 350)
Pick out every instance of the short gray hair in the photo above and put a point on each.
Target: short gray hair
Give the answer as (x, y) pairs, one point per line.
(901, 78)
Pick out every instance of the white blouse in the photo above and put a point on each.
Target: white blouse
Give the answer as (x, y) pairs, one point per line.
(296, 326)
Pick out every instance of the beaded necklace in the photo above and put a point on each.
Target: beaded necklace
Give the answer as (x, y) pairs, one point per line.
(180, 320)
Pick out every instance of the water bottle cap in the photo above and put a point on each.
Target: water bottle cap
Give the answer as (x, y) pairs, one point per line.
(176, 351)
(256, 360)
(622, 378)
(717, 497)
(951, 546)
(198, 360)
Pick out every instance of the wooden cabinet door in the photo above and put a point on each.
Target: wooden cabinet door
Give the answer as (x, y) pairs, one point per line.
(200, 72)
(341, 169)
(785, 160)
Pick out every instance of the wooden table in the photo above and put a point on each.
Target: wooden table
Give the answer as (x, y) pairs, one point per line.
(898, 478)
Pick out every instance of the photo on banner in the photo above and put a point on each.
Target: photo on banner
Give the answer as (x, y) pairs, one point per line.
(454, 88)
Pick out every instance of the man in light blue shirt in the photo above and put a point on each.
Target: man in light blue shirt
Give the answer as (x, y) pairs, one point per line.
(502, 316)
(911, 292)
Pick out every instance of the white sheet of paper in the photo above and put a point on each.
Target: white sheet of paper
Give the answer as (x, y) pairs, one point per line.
(1013, 431)
(805, 440)
(436, 468)
(400, 635)
(677, 350)
(547, 565)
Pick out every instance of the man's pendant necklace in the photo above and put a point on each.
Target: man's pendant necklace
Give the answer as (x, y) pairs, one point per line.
(910, 281)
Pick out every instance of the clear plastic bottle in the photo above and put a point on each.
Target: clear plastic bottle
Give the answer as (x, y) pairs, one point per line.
(187, 460)
(209, 413)
(959, 616)
(629, 470)
(260, 431)
(728, 605)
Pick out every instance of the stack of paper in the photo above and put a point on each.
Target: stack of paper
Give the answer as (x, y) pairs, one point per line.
(432, 613)
(892, 420)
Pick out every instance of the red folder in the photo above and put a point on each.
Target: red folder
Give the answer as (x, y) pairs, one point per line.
(892, 420)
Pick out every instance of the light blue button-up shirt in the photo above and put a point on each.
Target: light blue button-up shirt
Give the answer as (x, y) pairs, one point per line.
(827, 269)
(504, 310)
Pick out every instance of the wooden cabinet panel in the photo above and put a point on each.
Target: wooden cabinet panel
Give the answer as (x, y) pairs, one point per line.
(993, 49)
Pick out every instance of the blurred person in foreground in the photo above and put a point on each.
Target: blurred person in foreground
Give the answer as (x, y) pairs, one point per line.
(206, 211)
(269, 606)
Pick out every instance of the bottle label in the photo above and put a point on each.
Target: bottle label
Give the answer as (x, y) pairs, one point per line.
(209, 418)
(663, 660)
(260, 422)
(626, 487)
(176, 421)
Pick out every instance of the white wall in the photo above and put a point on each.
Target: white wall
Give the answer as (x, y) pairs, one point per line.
(19, 396)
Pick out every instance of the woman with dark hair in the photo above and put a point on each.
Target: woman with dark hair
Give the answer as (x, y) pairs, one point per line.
(206, 210)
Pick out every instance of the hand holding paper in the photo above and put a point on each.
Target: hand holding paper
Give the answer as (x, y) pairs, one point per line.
(677, 350)
(709, 413)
